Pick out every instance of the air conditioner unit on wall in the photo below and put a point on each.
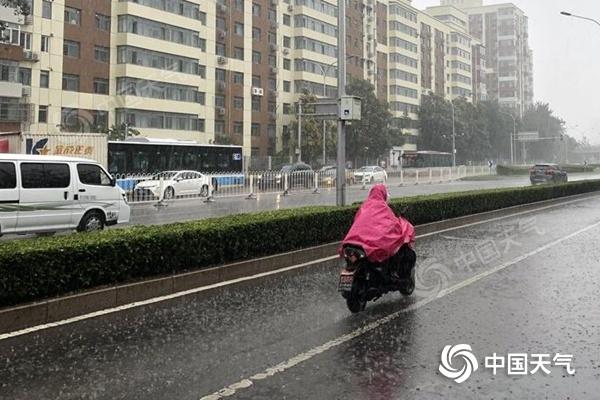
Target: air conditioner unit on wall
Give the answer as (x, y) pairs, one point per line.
(220, 111)
(221, 60)
(256, 91)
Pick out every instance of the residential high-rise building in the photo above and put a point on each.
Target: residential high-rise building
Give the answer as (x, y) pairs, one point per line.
(225, 71)
(503, 30)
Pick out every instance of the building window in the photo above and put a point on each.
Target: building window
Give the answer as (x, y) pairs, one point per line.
(256, 9)
(255, 103)
(287, 20)
(219, 127)
(272, 60)
(219, 101)
(238, 29)
(256, 33)
(102, 54)
(287, 86)
(272, 84)
(100, 86)
(71, 48)
(103, 22)
(220, 75)
(256, 57)
(255, 129)
(45, 43)
(238, 102)
(238, 127)
(287, 41)
(220, 23)
(47, 9)
(44, 79)
(70, 82)
(287, 64)
(72, 16)
(272, 107)
(238, 53)
(272, 38)
(43, 114)
(25, 76)
(220, 49)
(238, 78)
(200, 98)
(272, 15)
(256, 81)
(239, 5)
(287, 108)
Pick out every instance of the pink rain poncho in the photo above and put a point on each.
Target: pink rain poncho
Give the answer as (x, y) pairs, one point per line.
(377, 229)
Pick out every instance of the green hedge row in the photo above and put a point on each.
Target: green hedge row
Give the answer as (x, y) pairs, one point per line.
(34, 269)
(524, 169)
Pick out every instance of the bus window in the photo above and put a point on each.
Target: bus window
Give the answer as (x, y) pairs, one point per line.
(175, 159)
(189, 159)
(222, 160)
(118, 161)
(140, 161)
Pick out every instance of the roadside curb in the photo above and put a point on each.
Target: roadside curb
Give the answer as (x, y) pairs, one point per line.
(57, 309)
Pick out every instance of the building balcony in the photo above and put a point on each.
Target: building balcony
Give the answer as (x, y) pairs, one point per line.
(11, 89)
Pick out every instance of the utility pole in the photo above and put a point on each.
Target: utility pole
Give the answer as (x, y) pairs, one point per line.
(340, 188)
(513, 136)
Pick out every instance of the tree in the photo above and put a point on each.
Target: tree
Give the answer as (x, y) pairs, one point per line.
(540, 118)
(372, 136)
(117, 132)
(311, 135)
(22, 7)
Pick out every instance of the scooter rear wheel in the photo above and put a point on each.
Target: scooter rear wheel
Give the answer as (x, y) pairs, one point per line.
(355, 304)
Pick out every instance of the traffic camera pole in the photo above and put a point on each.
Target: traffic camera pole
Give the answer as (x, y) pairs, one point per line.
(340, 187)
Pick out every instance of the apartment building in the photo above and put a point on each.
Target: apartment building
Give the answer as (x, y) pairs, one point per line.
(222, 71)
(503, 30)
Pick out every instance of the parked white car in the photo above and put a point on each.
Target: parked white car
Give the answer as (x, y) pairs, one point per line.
(370, 174)
(174, 183)
(44, 194)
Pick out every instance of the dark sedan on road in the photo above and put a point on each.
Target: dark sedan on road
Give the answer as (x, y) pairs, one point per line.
(298, 174)
(542, 173)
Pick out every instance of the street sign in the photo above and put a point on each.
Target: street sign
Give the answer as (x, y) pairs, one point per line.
(528, 136)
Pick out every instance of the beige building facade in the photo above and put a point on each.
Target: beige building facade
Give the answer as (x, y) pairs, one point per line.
(223, 71)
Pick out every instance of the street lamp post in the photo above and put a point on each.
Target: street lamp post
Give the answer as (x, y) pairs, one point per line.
(568, 14)
(324, 71)
(453, 137)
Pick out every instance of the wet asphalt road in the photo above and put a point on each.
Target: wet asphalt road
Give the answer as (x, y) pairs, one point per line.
(543, 297)
(193, 209)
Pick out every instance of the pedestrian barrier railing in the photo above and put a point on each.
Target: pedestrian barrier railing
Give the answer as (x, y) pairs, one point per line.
(163, 189)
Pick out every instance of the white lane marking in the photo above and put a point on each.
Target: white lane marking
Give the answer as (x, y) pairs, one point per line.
(302, 357)
(234, 281)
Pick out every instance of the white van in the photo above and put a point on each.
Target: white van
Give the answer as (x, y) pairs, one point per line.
(49, 193)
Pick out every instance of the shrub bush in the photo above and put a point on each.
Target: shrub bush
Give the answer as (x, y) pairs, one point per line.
(34, 269)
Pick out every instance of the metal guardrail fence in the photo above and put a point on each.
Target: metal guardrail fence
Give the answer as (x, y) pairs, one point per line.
(159, 189)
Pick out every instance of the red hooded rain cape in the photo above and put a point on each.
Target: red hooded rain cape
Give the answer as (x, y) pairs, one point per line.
(377, 229)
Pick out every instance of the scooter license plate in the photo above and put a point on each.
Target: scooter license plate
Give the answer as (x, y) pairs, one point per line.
(346, 282)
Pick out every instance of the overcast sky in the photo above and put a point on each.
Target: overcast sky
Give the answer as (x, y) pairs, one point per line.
(566, 60)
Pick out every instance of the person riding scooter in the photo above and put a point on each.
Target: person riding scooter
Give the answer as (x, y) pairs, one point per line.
(385, 238)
